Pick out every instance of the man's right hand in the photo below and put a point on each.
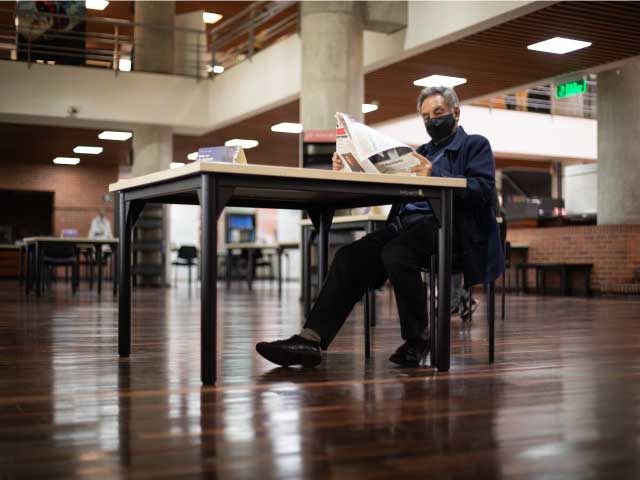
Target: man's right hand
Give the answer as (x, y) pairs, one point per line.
(337, 162)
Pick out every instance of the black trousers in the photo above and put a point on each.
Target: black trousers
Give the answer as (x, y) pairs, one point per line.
(395, 253)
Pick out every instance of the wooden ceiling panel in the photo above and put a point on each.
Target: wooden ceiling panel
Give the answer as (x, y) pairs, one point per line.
(492, 60)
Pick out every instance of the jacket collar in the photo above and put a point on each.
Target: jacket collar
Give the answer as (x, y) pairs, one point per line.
(453, 146)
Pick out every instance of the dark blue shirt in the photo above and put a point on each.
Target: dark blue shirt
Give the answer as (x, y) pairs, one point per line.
(434, 153)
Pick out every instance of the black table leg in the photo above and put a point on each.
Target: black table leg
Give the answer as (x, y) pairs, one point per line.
(371, 298)
(38, 268)
(280, 272)
(227, 270)
(306, 270)
(444, 280)
(491, 318)
(208, 295)
(114, 269)
(326, 216)
(250, 257)
(124, 276)
(21, 255)
(99, 260)
(28, 267)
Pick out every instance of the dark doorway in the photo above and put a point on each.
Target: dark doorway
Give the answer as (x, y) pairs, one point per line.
(25, 213)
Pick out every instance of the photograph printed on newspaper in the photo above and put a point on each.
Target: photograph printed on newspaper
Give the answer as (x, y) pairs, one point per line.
(362, 149)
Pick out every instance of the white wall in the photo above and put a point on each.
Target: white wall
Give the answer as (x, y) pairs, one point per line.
(43, 93)
(521, 134)
(580, 188)
(184, 228)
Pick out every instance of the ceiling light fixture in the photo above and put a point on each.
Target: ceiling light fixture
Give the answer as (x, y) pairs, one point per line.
(559, 45)
(173, 165)
(210, 18)
(287, 127)
(440, 81)
(241, 142)
(369, 107)
(88, 150)
(111, 135)
(96, 4)
(218, 69)
(193, 156)
(66, 161)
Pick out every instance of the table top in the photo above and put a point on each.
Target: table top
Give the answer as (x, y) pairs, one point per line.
(87, 240)
(372, 217)
(519, 245)
(9, 246)
(260, 246)
(289, 172)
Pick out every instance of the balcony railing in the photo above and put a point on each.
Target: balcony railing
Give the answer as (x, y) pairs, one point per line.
(43, 37)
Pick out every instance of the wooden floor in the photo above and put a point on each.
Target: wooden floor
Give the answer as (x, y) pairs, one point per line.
(561, 401)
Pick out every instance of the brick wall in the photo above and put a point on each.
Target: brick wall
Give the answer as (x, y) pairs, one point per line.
(78, 190)
(614, 251)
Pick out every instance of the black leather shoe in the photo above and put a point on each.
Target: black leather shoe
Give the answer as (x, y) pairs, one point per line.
(411, 354)
(292, 351)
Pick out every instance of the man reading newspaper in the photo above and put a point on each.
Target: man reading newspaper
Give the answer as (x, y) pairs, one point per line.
(398, 251)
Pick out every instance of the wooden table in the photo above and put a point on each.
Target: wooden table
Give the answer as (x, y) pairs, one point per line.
(319, 192)
(369, 222)
(34, 247)
(251, 248)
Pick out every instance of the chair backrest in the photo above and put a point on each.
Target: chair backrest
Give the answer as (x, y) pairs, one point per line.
(187, 252)
(59, 251)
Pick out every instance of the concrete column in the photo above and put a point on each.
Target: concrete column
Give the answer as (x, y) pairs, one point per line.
(152, 152)
(152, 149)
(332, 62)
(190, 51)
(154, 41)
(619, 146)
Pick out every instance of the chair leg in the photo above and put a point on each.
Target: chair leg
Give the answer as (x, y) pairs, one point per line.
(504, 295)
(367, 322)
(432, 309)
(491, 318)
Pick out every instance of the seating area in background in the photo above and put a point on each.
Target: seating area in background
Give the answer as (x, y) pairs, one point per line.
(187, 256)
(566, 271)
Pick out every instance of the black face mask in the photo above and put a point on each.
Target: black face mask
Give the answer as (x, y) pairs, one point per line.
(441, 127)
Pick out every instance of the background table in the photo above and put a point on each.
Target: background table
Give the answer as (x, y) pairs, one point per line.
(251, 248)
(368, 223)
(34, 246)
(319, 192)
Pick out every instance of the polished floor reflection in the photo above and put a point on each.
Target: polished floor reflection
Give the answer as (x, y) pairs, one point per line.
(561, 401)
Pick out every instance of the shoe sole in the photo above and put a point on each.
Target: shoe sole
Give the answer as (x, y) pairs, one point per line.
(287, 359)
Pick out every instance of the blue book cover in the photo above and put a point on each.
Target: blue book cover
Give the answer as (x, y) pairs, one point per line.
(233, 154)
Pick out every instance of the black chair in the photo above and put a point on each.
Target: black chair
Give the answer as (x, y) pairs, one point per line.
(186, 258)
(60, 256)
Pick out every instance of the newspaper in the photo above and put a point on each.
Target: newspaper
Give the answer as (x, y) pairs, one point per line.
(362, 149)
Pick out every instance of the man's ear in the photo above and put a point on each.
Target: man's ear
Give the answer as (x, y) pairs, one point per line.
(456, 113)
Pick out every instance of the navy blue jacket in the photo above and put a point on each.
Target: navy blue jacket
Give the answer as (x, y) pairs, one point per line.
(475, 228)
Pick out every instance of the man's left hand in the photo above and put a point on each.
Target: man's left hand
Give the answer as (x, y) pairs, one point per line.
(424, 169)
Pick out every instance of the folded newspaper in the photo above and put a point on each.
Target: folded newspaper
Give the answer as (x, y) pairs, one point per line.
(362, 149)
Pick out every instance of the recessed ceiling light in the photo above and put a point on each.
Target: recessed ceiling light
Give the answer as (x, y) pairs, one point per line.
(218, 69)
(88, 150)
(287, 127)
(173, 165)
(369, 107)
(66, 161)
(96, 4)
(208, 17)
(192, 156)
(241, 142)
(111, 135)
(559, 45)
(124, 65)
(440, 81)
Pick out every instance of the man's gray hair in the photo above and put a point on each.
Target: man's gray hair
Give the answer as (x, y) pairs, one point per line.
(448, 93)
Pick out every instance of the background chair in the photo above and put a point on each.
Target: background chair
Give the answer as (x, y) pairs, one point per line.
(187, 254)
(60, 256)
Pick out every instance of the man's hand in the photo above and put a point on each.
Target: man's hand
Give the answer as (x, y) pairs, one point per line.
(424, 169)
(337, 162)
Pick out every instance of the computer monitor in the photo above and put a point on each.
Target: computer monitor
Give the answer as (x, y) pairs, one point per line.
(241, 227)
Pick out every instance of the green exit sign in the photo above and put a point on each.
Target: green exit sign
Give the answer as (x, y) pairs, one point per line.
(571, 88)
